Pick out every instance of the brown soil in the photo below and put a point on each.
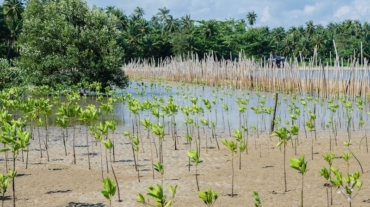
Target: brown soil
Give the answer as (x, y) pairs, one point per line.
(61, 183)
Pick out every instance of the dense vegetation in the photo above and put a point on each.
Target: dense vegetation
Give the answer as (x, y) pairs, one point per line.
(68, 42)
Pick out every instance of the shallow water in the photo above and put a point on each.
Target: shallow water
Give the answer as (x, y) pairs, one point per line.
(183, 93)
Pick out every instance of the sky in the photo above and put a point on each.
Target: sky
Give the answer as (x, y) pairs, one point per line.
(271, 13)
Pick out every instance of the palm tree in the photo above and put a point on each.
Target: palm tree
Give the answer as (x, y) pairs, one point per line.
(164, 19)
(119, 14)
(13, 8)
(186, 22)
(310, 28)
(277, 35)
(14, 27)
(251, 17)
(137, 14)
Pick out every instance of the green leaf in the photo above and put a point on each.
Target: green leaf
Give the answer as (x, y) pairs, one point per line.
(140, 198)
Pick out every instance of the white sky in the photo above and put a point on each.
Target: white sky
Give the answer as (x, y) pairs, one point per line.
(271, 13)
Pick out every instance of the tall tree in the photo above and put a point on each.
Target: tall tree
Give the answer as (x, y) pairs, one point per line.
(13, 9)
(251, 17)
(66, 42)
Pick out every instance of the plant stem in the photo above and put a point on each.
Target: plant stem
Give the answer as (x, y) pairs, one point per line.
(115, 178)
(196, 175)
(13, 183)
(232, 175)
(87, 146)
(285, 171)
(302, 192)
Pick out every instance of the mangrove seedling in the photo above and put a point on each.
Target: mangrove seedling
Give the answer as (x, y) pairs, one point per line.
(284, 136)
(347, 144)
(209, 197)
(4, 183)
(109, 189)
(300, 165)
(159, 168)
(232, 146)
(239, 138)
(328, 157)
(16, 140)
(109, 145)
(159, 198)
(257, 199)
(347, 184)
(194, 157)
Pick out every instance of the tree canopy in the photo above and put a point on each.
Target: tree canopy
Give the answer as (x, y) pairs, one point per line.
(66, 42)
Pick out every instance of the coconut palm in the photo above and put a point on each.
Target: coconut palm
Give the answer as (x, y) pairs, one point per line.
(251, 18)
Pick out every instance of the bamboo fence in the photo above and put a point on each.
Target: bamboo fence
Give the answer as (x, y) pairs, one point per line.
(315, 79)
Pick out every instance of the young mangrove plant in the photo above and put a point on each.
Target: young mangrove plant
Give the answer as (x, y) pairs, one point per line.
(16, 140)
(147, 124)
(109, 189)
(159, 198)
(257, 199)
(4, 183)
(284, 136)
(209, 197)
(135, 148)
(347, 144)
(232, 146)
(347, 184)
(109, 145)
(311, 128)
(195, 158)
(300, 165)
(87, 116)
(239, 138)
(160, 169)
(326, 173)
(159, 132)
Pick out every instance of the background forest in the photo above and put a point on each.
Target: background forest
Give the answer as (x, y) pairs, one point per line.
(164, 35)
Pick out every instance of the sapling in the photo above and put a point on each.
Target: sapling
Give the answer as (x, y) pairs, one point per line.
(347, 144)
(301, 166)
(209, 197)
(195, 158)
(311, 128)
(147, 124)
(284, 136)
(159, 168)
(159, 198)
(112, 127)
(239, 138)
(87, 116)
(232, 146)
(135, 143)
(17, 140)
(109, 145)
(326, 173)
(214, 135)
(347, 184)
(4, 183)
(109, 189)
(63, 123)
(205, 123)
(135, 148)
(159, 131)
(257, 199)
(226, 108)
